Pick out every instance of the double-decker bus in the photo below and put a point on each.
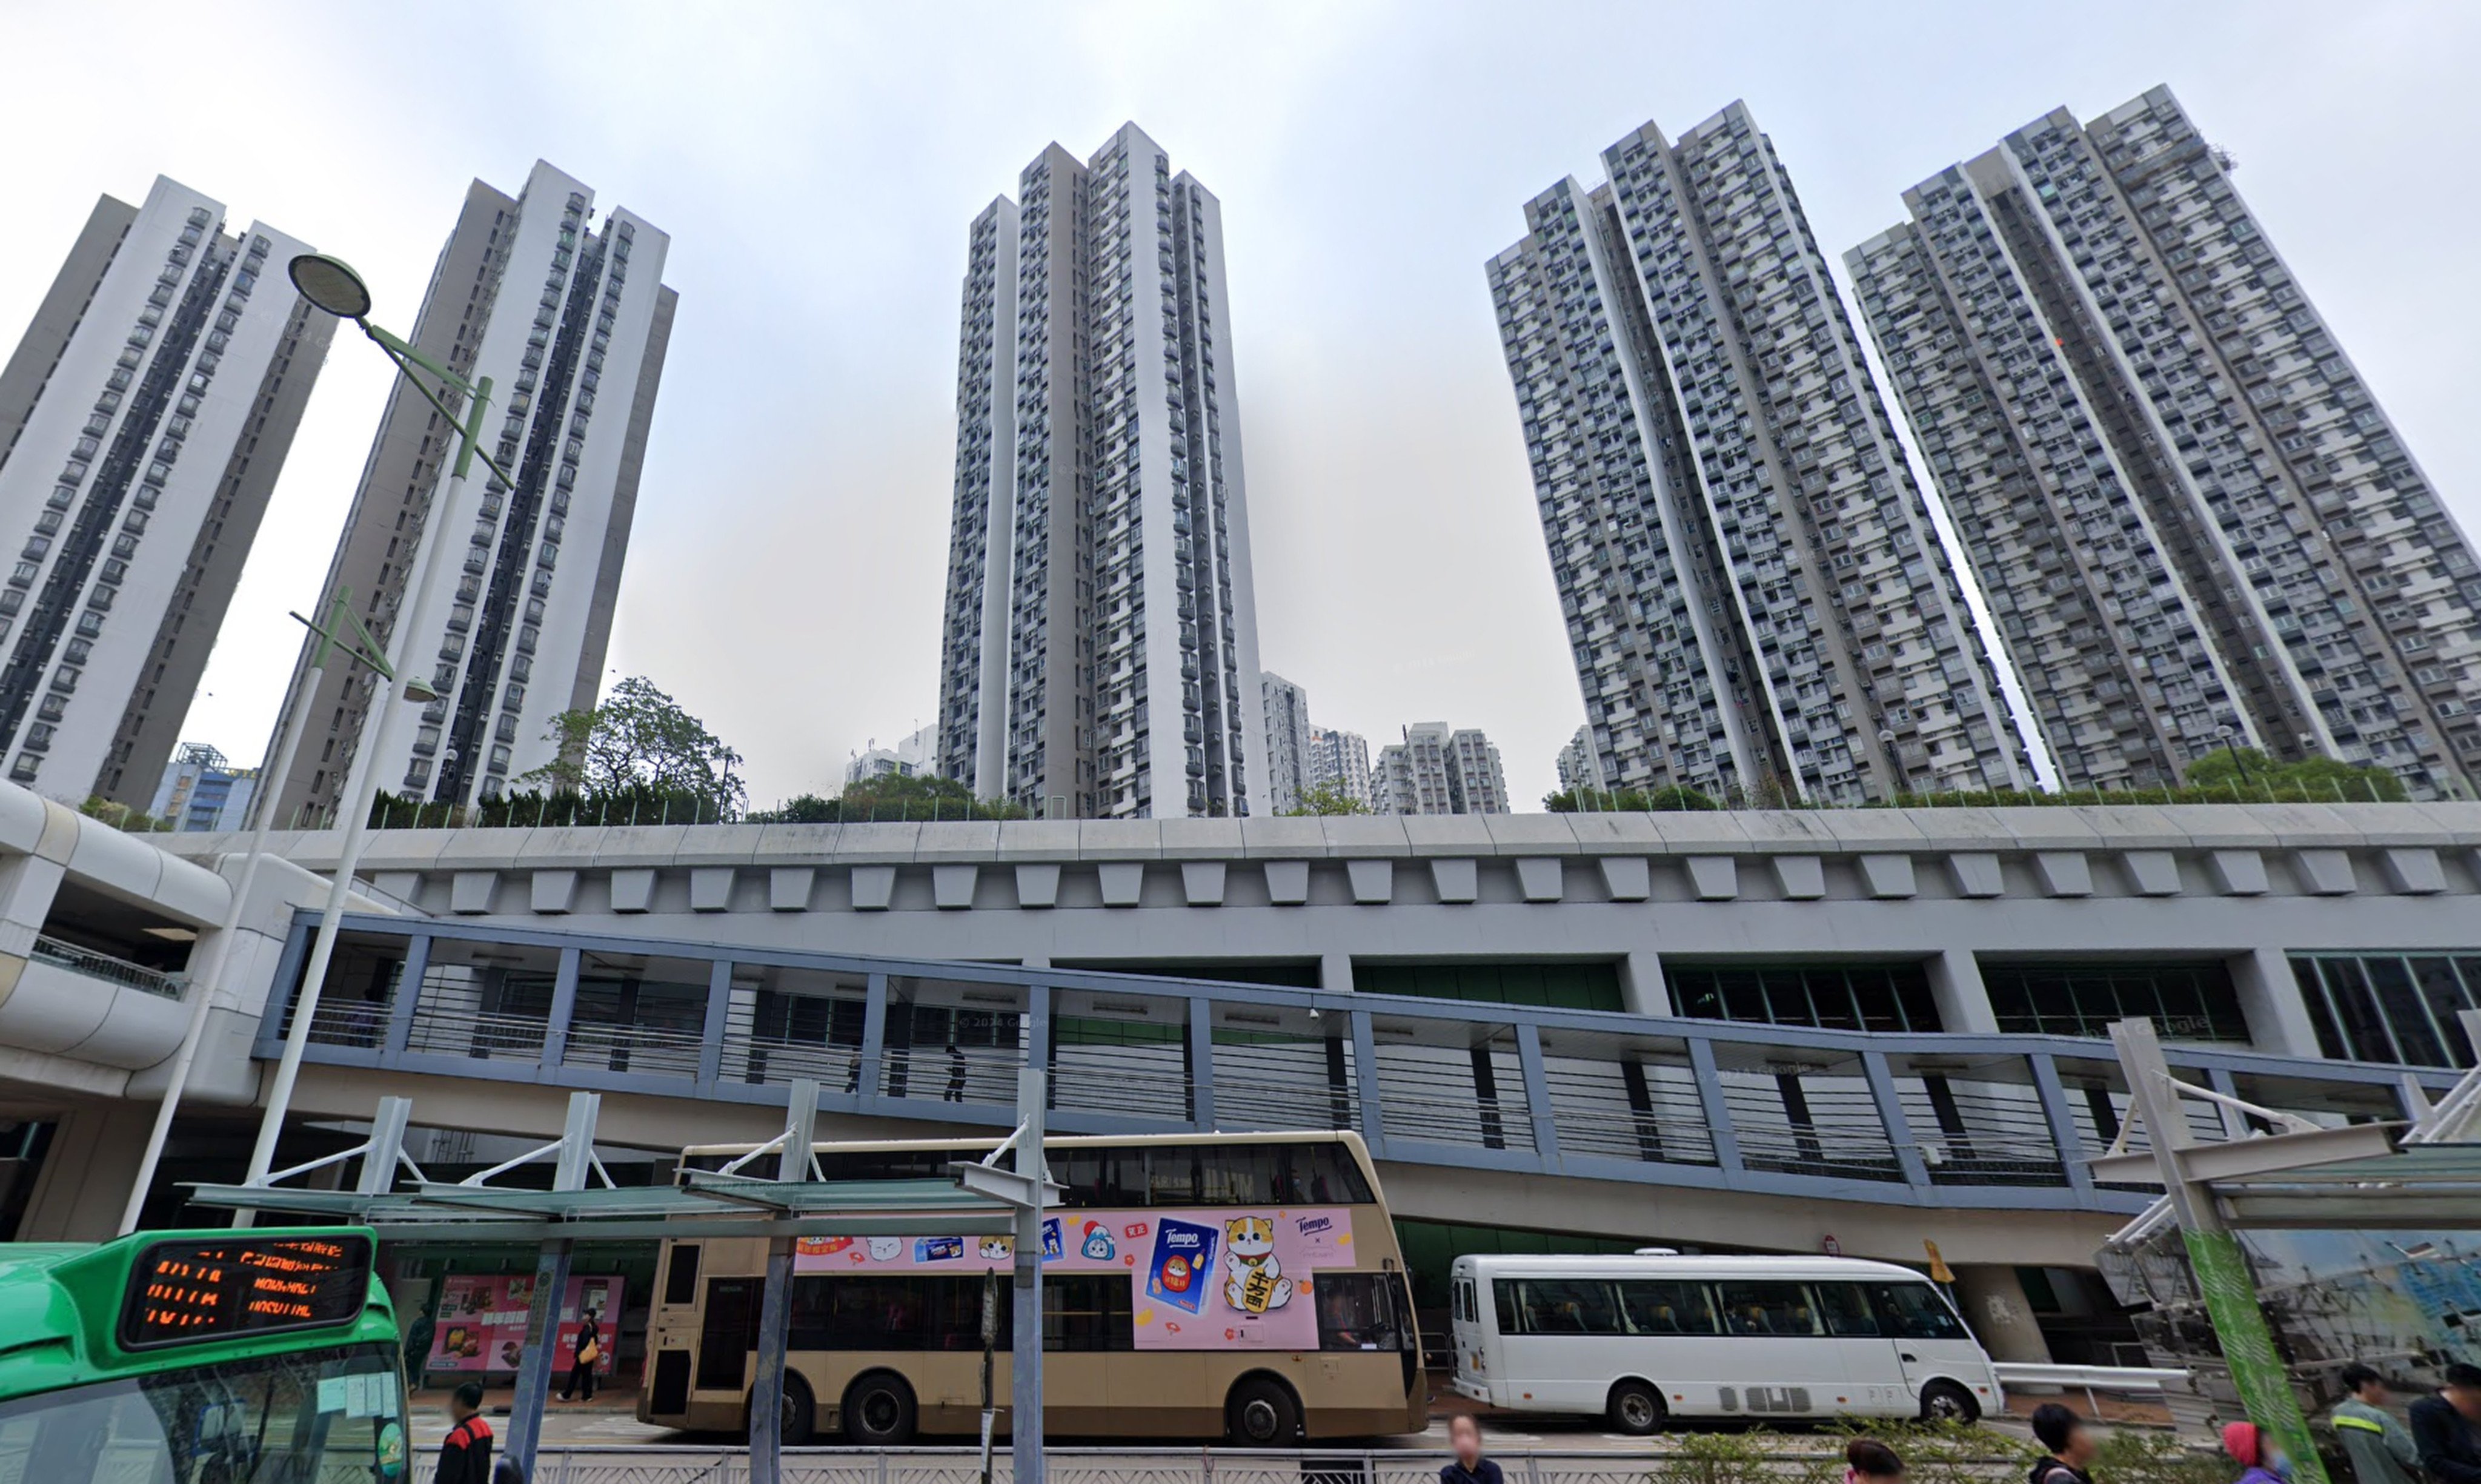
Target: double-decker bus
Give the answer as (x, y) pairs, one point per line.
(194, 1356)
(1245, 1285)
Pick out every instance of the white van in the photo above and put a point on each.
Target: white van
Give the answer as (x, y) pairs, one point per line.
(1642, 1338)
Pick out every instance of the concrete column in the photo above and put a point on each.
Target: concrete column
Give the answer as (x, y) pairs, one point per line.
(2278, 1018)
(1955, 985)
(1335, 972)
(1642, 990)
(86, 1175)
(1993, 1301)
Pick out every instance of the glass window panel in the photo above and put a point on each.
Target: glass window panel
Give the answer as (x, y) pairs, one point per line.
(2400, 1001)
(1914, 1310)
(1565, 1305)
(2321, 1014)
(1846, 1309)
(1653, 1306)
(1768, 1308)
(2364, 1026)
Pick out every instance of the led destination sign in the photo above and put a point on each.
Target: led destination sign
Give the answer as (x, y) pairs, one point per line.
(182, 1292)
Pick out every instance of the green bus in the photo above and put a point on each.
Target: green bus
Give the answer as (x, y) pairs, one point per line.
(213, 1356)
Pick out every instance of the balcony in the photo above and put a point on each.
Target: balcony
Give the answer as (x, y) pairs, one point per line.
(103, 966)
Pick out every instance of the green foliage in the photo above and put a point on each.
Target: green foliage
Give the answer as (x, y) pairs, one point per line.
(2250, 770)
(2139, 1455)
(121, 817)
(1321, 798)
(1715, 1458)
(1669, 799)
(640, 738)
(890, 798)
(554, 808)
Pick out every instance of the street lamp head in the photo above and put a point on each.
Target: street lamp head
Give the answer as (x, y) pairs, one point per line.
(331, 286)
(419, 692)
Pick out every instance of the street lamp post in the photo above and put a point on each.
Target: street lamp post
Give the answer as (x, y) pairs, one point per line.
(332, 287)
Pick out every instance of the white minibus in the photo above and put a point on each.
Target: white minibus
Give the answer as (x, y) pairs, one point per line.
(1643, 1338)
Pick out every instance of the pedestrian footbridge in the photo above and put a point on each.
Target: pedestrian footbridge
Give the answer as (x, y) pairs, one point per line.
(1574, 1120)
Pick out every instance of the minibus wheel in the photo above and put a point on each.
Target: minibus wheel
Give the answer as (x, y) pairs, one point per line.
(1945, 1402)
(1635, 1409)
(1262, 1414)
(878, 1411)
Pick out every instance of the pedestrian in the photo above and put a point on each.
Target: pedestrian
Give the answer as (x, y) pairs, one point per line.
(955, 1092)
(2261, 1458)
(1469, 1467)
(2380, 1448)
(465, 1454)
(586, 1348)
(418, 1338)
(2068, 1446)
(1868, 1460)
(2446, 1427)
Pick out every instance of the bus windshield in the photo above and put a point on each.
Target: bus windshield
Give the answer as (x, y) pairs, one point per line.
(332, 1416)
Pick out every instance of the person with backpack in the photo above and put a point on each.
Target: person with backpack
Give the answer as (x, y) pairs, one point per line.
(2068, 1444)
(465, 1454)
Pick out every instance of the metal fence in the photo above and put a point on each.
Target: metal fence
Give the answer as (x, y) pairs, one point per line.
(1921, 1118)
(103, 966)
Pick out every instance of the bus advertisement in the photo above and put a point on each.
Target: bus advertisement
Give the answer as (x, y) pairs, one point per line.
(1242, 1286)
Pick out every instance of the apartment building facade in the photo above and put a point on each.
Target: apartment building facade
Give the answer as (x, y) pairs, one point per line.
(1340, 761)
(1288, 739)
(144, 418)
(571, 324)
(1578, 769)
(2194, 524)
(1756, 595)
(1437, 769)
(1100, 652)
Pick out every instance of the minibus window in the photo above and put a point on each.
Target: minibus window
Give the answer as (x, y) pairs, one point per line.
(1659, 1306)
(1768, 1309)
(1914, 1310)
(1567, 1306)
(1464, 1300)
(1503, 1297)
(1847, 1308)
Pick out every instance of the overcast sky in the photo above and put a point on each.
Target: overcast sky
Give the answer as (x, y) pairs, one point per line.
(817, 167)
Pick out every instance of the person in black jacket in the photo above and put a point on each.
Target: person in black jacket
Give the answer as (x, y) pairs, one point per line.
(2069, 1447)
(2446, 1427)
(465, 1455)
(586, 1353)
(1464, 1434)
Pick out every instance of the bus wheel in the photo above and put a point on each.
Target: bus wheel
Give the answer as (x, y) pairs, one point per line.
(800, 1426)
(1635, 1409)
(1262, 1414)
(878, 1411)
(1945, 1402)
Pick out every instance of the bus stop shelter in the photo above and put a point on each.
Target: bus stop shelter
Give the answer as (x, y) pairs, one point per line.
(739, 1199)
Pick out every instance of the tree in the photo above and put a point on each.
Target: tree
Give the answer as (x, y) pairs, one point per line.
(640, 738)
(2250, 772)
(1671, 798)
(1326, 798)
(889, 797)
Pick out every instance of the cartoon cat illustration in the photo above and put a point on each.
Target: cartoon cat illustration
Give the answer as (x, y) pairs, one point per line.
(1253, 1280)
(999, 1249)
(886, 1249)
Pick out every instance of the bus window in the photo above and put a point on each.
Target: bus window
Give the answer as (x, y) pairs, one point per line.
(1244, 1174)
(1355, 1313)
(1085, 1312)
(1464, 1301)
(1914, 1310)
(1503, 1293)
(1172, 1176)
(1768, 1308)
(729, 1332)
(1847, 1308)
(680, 1279)
(1566, 1306)
(1659, 1306)
(1335, 1178)
(1101, 1177)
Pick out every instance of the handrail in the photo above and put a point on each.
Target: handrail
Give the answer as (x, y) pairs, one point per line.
(103, 966)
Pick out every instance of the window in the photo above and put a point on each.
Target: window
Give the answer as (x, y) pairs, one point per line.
(1358, 1311)
(1768, 1308)
(1914, 1310)
(2390, 1009)
(1564, 1306)
(680, 1279)
(1653, 1306)
(1464, 1301)
(1847, 1309)
(2190, 1001)
(1841, 997)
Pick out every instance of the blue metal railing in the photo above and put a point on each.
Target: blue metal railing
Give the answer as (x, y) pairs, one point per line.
(1930, 1119)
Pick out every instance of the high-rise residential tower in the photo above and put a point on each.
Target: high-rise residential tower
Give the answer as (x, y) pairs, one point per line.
(2194, 522)
(1755, 593)
(571, 324)
(1436, 770)
(1287, 741)
(142, 420)
(1338, 761)
(1579, 772)
(1100, 654)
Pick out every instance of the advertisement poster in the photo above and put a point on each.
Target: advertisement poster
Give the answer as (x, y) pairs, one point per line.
(1202, 1280)
(481, 1325)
